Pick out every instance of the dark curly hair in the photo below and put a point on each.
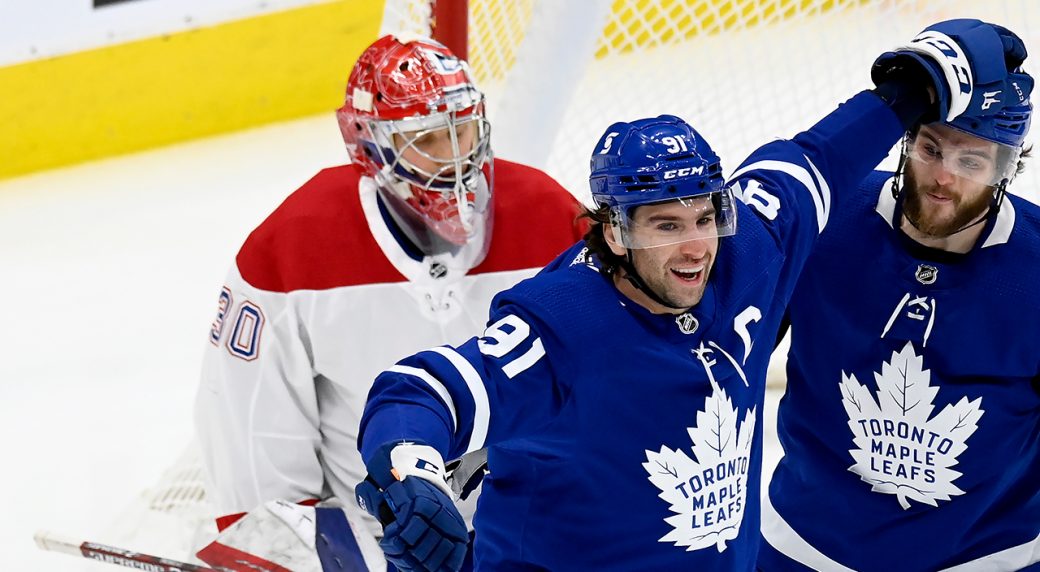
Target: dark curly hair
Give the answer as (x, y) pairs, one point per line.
(597, 243)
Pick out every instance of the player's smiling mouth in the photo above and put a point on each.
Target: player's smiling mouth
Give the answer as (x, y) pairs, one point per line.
(689, 274)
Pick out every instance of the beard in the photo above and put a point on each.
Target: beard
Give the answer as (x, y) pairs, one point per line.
(656, 275)
(935, 221)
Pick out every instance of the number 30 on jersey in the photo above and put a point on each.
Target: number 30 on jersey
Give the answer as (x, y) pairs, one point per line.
(244, 341)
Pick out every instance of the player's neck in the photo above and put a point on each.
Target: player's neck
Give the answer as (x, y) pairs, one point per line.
(959, 242)
(639, 297)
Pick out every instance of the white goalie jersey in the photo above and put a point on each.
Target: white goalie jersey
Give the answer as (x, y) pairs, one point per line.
(321, 299)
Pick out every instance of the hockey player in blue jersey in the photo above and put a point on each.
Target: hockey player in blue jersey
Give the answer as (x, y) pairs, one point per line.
(619, 392)
(911, 421)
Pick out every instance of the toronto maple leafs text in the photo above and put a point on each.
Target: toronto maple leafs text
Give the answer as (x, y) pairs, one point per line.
(914, 456)
(716, 493)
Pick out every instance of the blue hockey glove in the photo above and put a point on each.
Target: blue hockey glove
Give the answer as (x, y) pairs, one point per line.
(406, 491)
(969, 62)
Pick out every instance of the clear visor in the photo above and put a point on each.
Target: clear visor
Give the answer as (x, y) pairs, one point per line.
(701, 217)
(962, 155)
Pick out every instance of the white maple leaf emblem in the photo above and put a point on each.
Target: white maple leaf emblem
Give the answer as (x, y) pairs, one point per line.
(902, 450)
(708, 496)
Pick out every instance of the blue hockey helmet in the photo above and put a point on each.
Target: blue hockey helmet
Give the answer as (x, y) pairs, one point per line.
(999, 110)
(1003, 128)
(660, 160)
(1007, 126)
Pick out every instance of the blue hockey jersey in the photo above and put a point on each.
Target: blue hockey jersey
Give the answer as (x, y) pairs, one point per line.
(911, 422)
(619, 439)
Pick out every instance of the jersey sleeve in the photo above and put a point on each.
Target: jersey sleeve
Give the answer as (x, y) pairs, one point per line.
(460, 399)
(256, 412)
(791, 186)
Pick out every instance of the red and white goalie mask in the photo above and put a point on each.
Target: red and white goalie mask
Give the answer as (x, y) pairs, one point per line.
(414, 122)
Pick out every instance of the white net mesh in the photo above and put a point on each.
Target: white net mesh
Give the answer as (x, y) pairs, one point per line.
(173, 519)
(741, 71)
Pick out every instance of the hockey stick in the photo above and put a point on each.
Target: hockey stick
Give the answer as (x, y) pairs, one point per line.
(118, 556)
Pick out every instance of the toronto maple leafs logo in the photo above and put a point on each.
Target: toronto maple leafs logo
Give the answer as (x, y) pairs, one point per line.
(901, 449)
(707, 495)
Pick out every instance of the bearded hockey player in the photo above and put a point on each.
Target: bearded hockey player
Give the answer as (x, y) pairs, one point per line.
(368, 262)
(912, 410)
(619, 392)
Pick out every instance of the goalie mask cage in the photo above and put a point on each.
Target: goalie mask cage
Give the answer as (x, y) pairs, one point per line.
(558, 72)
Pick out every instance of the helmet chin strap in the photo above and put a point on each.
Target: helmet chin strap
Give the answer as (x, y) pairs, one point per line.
(637, 282)
(633, 277)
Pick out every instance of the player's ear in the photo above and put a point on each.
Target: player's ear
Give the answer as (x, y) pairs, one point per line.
(610, 235)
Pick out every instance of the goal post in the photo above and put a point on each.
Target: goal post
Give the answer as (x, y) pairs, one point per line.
(449, 25)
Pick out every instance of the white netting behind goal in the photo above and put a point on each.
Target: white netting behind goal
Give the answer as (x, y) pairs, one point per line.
(741, 71)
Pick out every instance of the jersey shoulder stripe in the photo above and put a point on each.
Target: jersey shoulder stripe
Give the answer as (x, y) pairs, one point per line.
(317, 239)
(535, 219)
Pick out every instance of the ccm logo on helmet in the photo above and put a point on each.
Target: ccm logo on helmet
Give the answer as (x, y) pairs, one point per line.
(683, 172)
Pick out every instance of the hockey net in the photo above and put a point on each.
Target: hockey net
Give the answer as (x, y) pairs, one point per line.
(557, 73)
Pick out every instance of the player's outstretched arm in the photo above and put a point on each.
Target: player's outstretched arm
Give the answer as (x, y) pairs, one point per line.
(407, 492)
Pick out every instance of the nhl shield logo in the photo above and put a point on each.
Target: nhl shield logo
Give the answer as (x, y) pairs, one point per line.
(438, 270)
(687, 323)
(926, 274)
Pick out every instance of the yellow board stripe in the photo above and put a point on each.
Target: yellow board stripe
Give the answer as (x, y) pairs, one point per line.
(157, 91)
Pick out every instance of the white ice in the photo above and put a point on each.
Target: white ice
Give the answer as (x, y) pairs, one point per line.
(111, 272)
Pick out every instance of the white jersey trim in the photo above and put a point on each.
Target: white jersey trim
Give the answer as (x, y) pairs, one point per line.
(821, 197)
(886, 203)
(825, 192)
(417, 271)
(435, 385)
(1014, 558)
(481, 405)
(1005, 224)
(785, 540)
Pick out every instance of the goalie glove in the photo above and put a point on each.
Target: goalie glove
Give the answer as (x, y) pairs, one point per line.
(966, 60)
(407, 492)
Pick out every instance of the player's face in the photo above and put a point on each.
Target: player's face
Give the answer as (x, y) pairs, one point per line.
(432, 151)
(677, 273)
(942, 188)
